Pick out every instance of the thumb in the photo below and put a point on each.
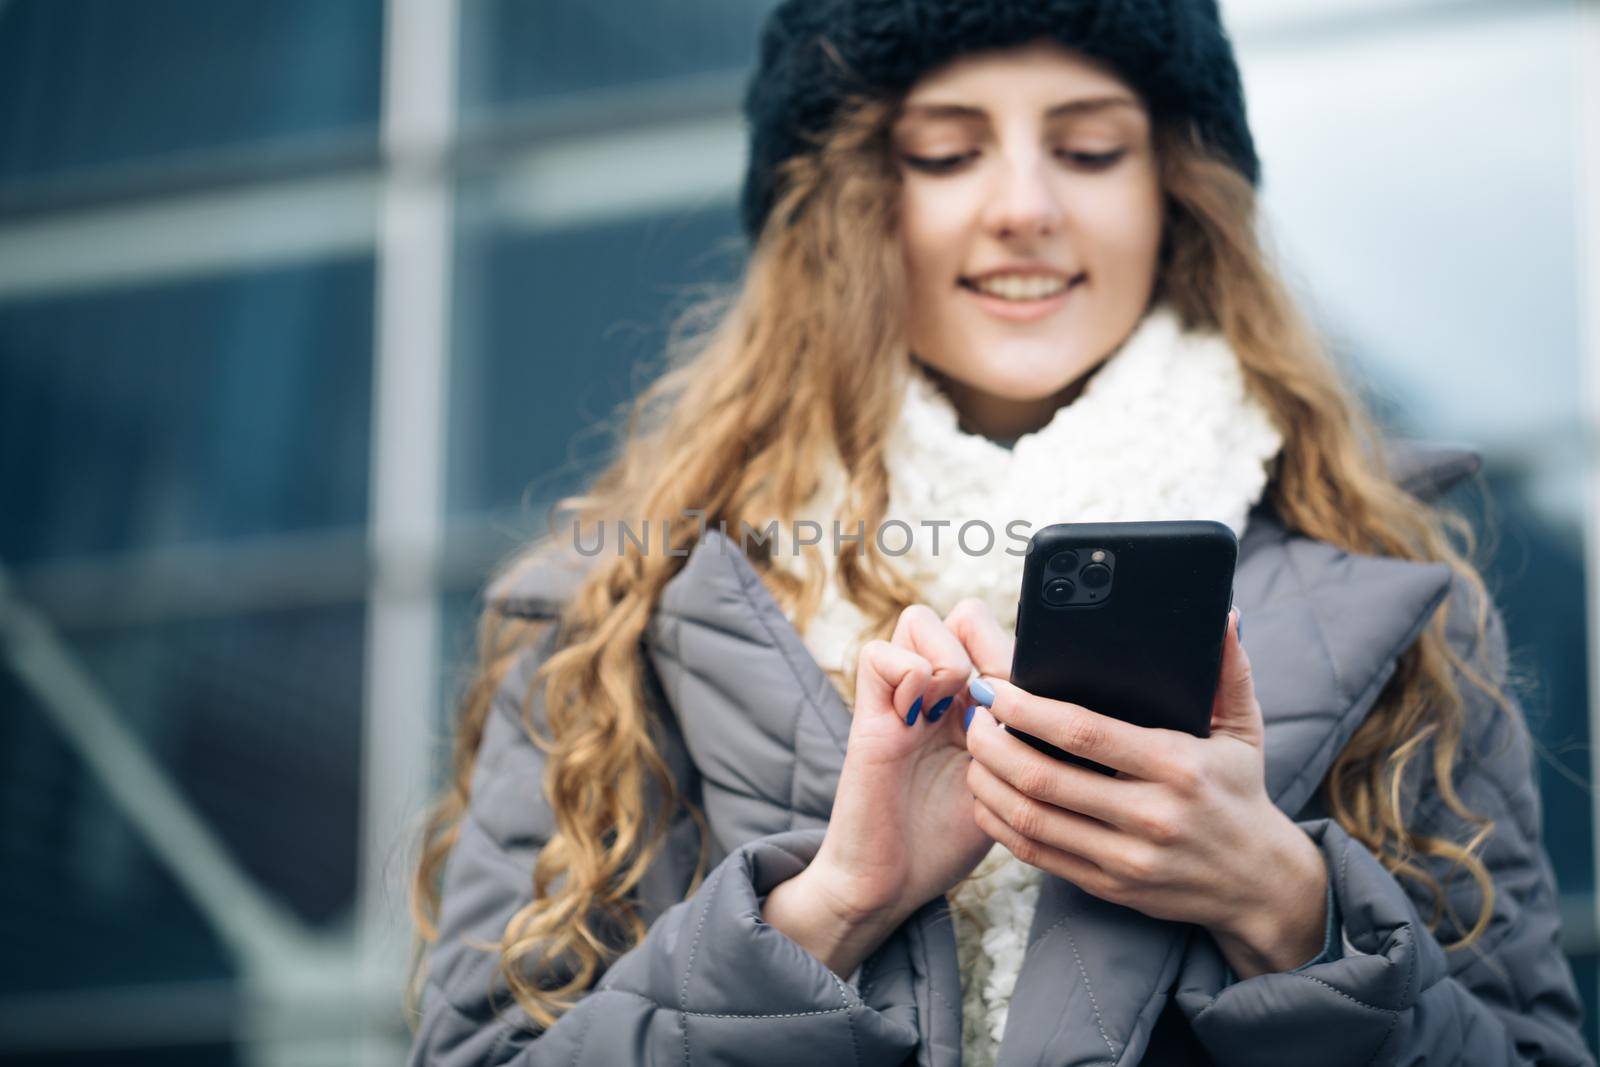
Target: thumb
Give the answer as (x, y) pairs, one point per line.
(980, 633)
(1235, 709)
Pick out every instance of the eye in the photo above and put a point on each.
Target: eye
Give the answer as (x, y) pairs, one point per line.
(1096, 160)
(939, 164)
(944, 164)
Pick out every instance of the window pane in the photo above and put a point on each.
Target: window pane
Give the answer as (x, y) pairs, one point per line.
(520, 50)
(79, 879)
(256, 719)
(554, 328)
(85, 83)
(212, 408)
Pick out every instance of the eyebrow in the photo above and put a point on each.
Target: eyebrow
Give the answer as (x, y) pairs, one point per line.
(1086, 105)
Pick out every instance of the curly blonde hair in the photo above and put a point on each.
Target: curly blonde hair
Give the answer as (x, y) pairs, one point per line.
(798, 356)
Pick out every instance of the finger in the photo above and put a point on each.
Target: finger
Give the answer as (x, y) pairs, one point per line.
(890, 680)
(1042, 822)
(976, 719)
(951, 711)
(1139, 750)
(1235, 709)
(920, 629)
(1050, 781)
(1074, 869)
(987, 644)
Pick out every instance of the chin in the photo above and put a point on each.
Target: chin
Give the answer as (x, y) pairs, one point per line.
(1020, 380)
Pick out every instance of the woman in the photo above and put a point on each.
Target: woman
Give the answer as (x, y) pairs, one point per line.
(722, 798)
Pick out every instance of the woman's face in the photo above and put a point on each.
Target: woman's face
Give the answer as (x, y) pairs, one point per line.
(1032, 169)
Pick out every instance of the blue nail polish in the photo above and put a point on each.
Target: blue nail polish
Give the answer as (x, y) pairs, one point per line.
(982, 692)
(1238, 627)
(916, 706)
(966, 722)
(938, 710)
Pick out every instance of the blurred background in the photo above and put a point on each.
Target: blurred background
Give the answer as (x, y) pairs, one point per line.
(308, 308)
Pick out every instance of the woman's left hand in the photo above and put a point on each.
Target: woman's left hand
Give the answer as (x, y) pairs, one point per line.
(1185, 831)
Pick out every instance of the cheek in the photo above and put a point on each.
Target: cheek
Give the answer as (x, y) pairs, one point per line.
(1126, 225)
(930, 223)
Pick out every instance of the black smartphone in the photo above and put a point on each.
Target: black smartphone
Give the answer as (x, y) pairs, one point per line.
(1127, 619)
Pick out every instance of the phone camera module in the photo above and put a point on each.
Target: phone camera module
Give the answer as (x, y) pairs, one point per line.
(1096, 576)
(1058, 591)
(1064, 562)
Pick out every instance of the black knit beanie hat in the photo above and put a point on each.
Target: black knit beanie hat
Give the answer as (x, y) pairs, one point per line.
(1175, 53)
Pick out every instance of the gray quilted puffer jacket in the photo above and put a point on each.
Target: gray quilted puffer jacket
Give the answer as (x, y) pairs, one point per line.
(755, 733)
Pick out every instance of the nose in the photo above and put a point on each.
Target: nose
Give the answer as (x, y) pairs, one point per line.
(1022, 202)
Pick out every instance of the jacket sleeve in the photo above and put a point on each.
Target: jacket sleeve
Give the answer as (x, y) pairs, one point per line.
(1399, 997)
(709, 983)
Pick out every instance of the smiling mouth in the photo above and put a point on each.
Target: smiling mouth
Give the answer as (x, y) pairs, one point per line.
(971, 286)
(1025, 310)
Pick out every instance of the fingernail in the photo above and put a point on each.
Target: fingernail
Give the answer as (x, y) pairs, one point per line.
(1238, 625)
(935, 712)
(966, 720)
(982, 692)
(916, 706)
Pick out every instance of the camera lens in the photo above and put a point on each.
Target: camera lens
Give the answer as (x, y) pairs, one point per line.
(1057, 591)
(1096, 576)
(1064, 562)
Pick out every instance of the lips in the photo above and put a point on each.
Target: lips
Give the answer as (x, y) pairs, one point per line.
(1022, 310)
(971, 283)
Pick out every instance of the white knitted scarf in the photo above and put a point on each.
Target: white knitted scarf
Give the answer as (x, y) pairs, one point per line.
(1165, 429)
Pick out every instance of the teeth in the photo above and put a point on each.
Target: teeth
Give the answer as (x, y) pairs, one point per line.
(1021, 286)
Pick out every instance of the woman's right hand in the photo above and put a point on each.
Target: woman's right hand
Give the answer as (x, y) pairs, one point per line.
(902, 830)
